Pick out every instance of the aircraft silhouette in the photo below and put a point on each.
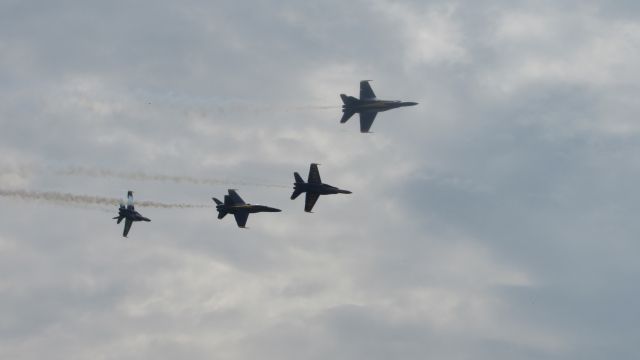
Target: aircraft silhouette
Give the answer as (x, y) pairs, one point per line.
(129, 214)
(368, 106)
(233, 204)
(313, 187)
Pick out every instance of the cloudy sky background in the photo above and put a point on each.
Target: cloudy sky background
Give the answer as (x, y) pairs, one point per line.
(496, 220)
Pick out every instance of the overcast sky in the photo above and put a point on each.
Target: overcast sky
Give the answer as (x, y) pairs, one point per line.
(496, 220)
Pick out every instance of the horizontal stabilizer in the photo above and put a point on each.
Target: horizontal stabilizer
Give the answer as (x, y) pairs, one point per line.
(348, 100)
(295, 194)
(298, 178)
(347, 114)
(221, 214)
(218, 202)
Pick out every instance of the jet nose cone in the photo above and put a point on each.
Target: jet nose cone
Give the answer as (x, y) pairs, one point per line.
(411, 103)
(345, 191)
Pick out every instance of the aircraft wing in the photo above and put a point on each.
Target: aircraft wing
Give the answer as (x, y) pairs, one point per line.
(314, 175)
(366, 120)
(235, 198)
(127, 227)
(366, 92)
(310, 200)
(241, 218)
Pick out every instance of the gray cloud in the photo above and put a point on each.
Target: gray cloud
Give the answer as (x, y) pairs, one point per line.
(495, 220)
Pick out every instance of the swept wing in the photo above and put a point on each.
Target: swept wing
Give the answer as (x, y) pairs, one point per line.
(310, 201)
(235, 198)
(241, 218)
(127, 227)
(366, 120)
(366, 93)
(314, 175)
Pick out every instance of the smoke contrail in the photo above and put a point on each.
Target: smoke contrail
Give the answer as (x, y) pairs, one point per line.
(66, 198)
(140, 176)
(222, 105)
(292, 108)
(272, 108)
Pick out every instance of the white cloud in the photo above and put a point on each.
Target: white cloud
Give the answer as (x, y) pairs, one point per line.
(430, 36)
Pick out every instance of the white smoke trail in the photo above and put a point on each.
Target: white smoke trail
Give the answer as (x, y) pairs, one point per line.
(270, 108)
(66, 198)
(175, 100)
(140, 176)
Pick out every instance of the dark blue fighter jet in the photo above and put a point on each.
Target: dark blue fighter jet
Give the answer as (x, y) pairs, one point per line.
(368, 106)
(313, 187)
(233, 204)
(129, 214)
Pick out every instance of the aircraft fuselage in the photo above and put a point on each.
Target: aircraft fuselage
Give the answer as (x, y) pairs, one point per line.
(131, 215)
(322, 189)
(249, 208)
(376, 105)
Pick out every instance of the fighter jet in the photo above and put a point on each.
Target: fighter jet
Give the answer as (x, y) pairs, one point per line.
(368, 106)
(313, 187)
(233, 204)
(129, 214)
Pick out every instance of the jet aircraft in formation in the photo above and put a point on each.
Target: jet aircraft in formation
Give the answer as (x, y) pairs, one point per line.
(368, 106)
(313, 188)
(233, 204)
(129, 214)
